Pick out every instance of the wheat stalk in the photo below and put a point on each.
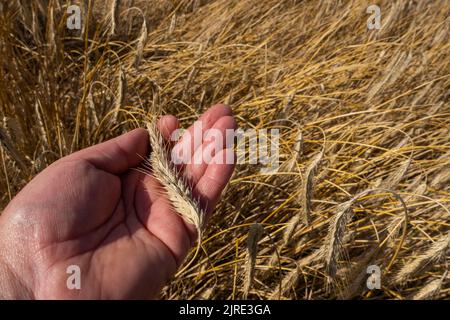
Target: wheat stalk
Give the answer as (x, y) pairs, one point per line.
(114, 16)
(287, 283)
(394, 179)
(91, 108)
(333, 246)
(10, 149)
(290, 164)
(431, 289)
(433, 254)
(308, 188)
(254, 235)
(442, 179)
(141, 44)
(51, 34)
(173, 22)
(290, 229)
(40, 123)
(121, 94)
(358, 274)
(334, 240)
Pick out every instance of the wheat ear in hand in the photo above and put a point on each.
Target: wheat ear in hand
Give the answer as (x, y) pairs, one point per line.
(177, 189)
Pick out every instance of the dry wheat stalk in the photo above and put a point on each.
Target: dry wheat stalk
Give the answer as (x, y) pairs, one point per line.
(333, 242)
(308, 187)
(114, 16)
(189, 79)
(358, 273)
(299, 141)
(290, 164)
(393, 226)
(10, 149)
(431, 289)
(40, 123)
(394, 179)
(442, 179)
(91, 108)
(141, 44)
(254, 235)
(173, 22)
(290, 229)
(290, 280)
(433, 254)
(51, 31)
(86, 12)
(35, 24)
(333, 246)
(287, 283)
(121, 94)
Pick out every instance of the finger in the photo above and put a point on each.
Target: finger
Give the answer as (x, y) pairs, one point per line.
(116, 155)
(212, 145)
(167, 125)
(193, 137)
(215, 178)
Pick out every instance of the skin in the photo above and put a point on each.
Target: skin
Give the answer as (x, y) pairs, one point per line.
(93, 210)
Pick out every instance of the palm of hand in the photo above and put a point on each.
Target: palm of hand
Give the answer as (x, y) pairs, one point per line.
(92, 211)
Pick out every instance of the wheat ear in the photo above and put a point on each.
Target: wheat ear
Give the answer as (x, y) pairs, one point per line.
(254, 235)
(177, 189)
(333, 242)
(308, 188)
(433, 254)
(114, 16)
(121, 94)
(333, 246)
(141, 44)
(394, 179)
(430, 290)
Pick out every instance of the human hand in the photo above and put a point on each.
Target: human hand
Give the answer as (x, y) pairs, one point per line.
(92, 210)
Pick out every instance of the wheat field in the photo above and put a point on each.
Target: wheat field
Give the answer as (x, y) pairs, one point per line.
(363, 115)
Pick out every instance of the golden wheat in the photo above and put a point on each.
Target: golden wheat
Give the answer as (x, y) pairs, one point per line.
(375, 100)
